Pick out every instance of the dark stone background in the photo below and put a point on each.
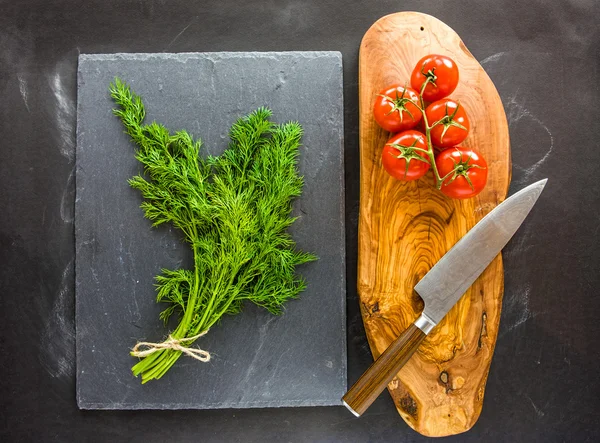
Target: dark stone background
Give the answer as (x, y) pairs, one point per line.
(543, 57)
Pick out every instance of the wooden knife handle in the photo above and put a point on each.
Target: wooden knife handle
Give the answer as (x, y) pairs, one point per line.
(382, 371)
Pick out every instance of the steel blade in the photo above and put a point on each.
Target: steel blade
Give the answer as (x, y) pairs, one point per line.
(456, 271)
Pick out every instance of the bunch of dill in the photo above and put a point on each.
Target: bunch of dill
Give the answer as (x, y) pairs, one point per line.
(233, 210)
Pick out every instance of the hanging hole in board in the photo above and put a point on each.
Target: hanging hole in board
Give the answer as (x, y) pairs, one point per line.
(422, 28)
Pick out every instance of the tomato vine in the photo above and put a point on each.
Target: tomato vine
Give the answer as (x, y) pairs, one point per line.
(467, 174)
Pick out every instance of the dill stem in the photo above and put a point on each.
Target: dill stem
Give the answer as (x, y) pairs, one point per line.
(167, 360)
(166, 365)
(145, 363)
(219, 314)
(190, 306)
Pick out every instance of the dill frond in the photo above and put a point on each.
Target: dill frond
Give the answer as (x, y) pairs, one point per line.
(233, 210)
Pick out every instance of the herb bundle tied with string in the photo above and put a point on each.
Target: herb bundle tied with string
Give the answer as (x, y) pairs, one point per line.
(233, 210)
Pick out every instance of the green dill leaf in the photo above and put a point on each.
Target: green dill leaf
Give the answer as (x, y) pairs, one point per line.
(233, 210)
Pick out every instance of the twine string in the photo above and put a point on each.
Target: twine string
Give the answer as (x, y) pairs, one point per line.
(176, 344)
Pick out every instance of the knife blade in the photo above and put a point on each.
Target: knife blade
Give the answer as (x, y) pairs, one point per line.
(442, 287)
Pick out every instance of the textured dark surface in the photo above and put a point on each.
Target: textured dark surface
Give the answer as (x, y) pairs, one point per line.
(297, 359)
(542, 55)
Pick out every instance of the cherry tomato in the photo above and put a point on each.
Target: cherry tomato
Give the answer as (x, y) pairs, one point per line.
(395, 108)
(470, 172)
(401, 157)
(443, 75)
(453, 126)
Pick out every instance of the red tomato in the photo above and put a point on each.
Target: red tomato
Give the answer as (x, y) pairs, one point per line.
(453, 124)
(401, 157)
(443, 75)
(395, 108)
(470, 172)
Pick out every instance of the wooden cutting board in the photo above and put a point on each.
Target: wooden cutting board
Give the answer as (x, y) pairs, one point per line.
(406, 227)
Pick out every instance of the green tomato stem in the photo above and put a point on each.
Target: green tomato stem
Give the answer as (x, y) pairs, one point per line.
(430, 152)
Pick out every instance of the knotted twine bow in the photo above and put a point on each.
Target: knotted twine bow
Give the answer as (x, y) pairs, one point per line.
(172, 343)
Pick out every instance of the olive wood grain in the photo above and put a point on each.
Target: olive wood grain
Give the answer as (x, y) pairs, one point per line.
(406, 227)
(368, 387)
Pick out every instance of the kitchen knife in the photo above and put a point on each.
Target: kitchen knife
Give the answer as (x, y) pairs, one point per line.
(442, 287)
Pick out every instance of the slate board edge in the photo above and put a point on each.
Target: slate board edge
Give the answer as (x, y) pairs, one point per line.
(177, 56)
(343, 224)
(195, 55)
(91, 406)
(76, 264)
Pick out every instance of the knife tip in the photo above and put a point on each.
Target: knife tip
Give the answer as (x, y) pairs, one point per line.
(541, 185)
(533, 190)
(537, 187)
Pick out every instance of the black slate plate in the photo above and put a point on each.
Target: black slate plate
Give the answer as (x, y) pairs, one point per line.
(297, 359)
